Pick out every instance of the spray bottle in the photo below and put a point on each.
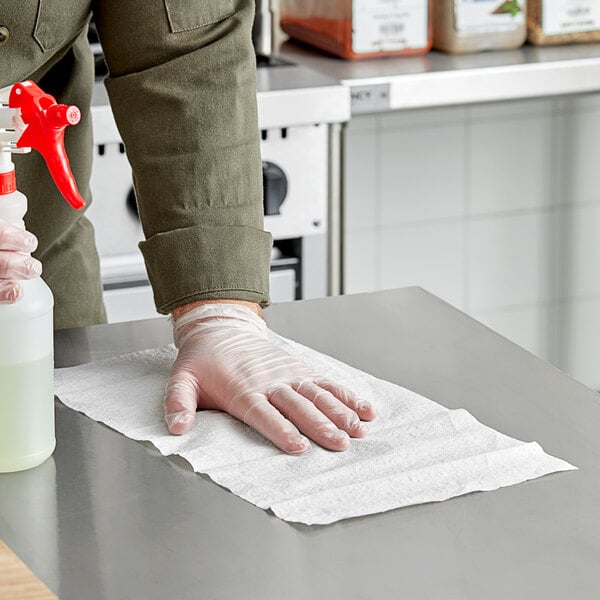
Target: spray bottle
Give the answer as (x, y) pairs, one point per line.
(29, 118)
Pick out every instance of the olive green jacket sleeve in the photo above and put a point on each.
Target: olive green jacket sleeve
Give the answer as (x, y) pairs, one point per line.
(182, 87)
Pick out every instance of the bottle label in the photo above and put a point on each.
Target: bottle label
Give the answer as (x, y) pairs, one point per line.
(389, 25)
(561, 17)
(488, 16)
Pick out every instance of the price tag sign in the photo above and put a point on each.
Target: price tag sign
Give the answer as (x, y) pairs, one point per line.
(370, 98)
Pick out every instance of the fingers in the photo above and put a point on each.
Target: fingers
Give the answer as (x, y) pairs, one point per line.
(269, 422)
(336, 411)
(10, 291)
(14, 265)
(308, 418)
(362, 408)
(15, 262)
(181, 401)
(15, 239)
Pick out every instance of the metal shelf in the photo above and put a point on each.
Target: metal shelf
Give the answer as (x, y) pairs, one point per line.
(436, 79)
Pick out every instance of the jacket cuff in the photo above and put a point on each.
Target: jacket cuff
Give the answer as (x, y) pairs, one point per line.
(206, 263)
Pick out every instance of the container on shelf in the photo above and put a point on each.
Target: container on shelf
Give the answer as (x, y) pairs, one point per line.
(355, 29)
(462, 26)
(563, 21)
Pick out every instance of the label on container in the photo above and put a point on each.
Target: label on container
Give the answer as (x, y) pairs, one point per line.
(560, 17)
(389, 25)
(488, 16)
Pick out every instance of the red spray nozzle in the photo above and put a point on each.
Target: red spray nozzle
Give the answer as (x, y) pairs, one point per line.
(46, 121)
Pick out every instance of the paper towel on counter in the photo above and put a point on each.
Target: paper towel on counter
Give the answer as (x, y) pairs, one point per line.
(417, 451)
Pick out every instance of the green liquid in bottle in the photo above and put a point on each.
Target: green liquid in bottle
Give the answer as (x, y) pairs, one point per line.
(26, 414)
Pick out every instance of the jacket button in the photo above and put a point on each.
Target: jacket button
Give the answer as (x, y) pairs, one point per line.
(4, 35)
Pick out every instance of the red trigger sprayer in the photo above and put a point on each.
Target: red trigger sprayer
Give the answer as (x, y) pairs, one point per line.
(29, 118)
(44, 124)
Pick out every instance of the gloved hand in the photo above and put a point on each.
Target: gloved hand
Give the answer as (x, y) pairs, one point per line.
(15, 261)
(226, 362)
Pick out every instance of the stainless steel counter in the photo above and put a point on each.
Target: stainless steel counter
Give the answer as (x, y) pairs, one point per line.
(437, 79)
(109, 518)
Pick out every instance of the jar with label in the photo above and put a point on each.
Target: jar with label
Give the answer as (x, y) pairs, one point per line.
(461, 26)
(355, 29)
(563, 21)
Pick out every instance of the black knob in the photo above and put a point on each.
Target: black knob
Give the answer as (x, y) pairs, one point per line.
(132, 204)
(274, 188)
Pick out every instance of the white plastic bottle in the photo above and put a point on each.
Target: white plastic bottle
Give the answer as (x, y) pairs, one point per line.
(26, 357)
(29, 119)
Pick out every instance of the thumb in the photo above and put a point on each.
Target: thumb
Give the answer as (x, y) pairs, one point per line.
(181, 400)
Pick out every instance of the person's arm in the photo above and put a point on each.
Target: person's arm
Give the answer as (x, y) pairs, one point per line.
(182, 86)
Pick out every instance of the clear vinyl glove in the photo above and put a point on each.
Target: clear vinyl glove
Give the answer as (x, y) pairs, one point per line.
(226, 362)
(15, 261)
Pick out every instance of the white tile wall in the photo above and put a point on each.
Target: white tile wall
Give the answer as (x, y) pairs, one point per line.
(360, 166)
(494, 111)
(360, 258)
(429, 117)
(579, 235)
(579, 102)
(430, 256)
(516, 156)
(580, 157)
(495, 208)
(422, 174)
(363, 123)
(511, 261)
(579, 341)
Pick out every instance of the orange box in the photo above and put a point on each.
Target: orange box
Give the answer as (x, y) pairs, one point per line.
(356, 29)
